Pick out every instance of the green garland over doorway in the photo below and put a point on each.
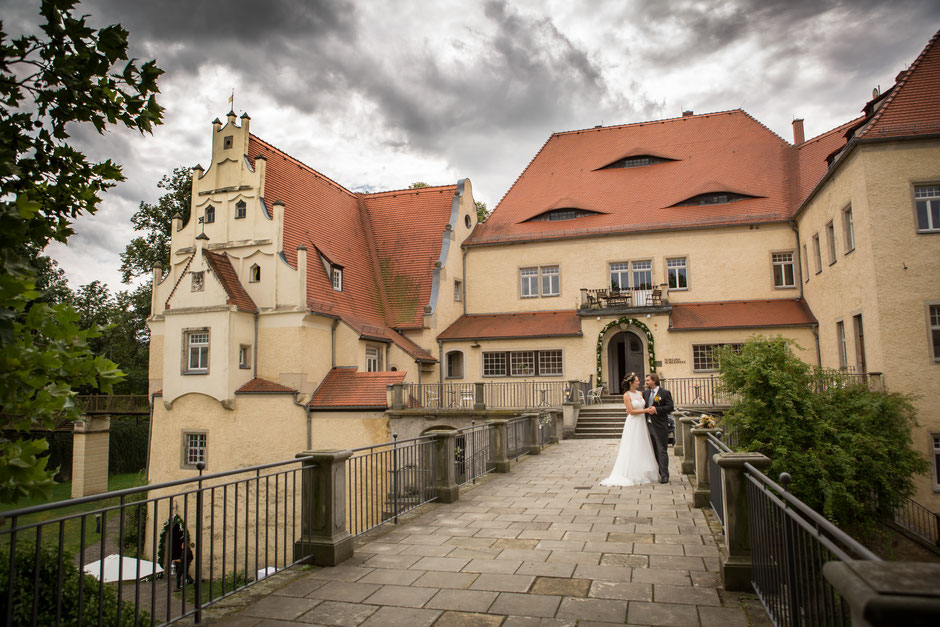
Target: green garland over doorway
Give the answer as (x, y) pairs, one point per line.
(633, 322)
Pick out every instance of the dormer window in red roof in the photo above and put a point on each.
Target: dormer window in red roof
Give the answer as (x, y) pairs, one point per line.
(635, 161)
(713, 198)
(566, 213)
(336, 275)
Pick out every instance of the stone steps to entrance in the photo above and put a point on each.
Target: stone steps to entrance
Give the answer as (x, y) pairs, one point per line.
(601, 421)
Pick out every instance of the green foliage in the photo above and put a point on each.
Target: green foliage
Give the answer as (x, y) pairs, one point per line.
(48, 590)
(418, 185)
(482, 213)
(127, 449)
(848, 449)
(69, 74)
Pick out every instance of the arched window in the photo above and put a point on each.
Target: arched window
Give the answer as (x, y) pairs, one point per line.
(241, 209)
(210, 214)
(454, 361)
(254, 275)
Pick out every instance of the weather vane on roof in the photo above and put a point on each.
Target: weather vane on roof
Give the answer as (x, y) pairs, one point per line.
(231, 100)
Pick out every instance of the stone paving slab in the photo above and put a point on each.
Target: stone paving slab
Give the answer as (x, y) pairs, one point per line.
(542, 546)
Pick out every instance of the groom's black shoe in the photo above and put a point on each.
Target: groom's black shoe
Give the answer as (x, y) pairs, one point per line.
(664, 479)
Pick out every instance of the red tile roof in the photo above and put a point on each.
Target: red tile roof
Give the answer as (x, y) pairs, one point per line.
(913, 107)
(813, 155)
(386, 242)
(717, 152)
(347, 388)
(743, 314)
(513, 325)
(263, 386)
(223, 270)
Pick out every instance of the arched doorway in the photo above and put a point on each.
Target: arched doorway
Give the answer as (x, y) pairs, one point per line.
(624, 355)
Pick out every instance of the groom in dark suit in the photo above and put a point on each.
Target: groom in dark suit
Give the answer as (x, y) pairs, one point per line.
(658, 407)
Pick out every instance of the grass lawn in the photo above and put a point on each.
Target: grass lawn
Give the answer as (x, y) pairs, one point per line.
(71, 529)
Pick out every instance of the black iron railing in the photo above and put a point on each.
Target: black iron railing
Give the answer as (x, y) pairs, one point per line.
(114, 403)
(915, 520)
(713, 446)
(692, 392)
(495, 395)
(789, 545)
(517, 433)
(472, 453)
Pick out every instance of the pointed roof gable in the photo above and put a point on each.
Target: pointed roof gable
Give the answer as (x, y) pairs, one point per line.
(234, 290)
(913, 107)
(345, 388)
(717, 152)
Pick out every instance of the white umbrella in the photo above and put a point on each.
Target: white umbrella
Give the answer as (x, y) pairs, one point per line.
(116, 568)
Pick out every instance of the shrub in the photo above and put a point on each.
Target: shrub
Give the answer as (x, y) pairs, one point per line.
(47, 591)
(847, 449)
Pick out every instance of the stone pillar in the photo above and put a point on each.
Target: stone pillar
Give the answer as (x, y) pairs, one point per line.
(479, 400)
(574, 386)
(90, 455)
(569, 412)
(445, 475)
(888, 593)
(701, 494)
(499, 441)
(876, 382)
(735, 557)
(688, 449)
(677, 446)
(554, 416)
(398, 395)
(324, 540)
(535, 446)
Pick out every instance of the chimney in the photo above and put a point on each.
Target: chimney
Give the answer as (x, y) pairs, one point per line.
(798, 137)
(688, 113)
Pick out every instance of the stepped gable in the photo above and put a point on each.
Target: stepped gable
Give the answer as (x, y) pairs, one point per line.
(513, 325)
(913, 107)
(345, 388)
(717, 152)
(742, 314)
(407, 228)
(354, 231)
(223, 270)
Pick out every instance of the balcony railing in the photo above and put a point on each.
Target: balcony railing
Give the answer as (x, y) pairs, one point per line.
(622, 298)
(488, 395)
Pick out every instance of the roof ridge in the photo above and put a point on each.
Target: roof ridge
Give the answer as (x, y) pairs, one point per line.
(300, 163)
(648, 122)
(518, 178)
(899, 85)
(765, 127)
(166, 304)
(836, 129)
(406, 190)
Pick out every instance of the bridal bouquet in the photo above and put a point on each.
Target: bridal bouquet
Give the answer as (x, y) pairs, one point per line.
(707, 422)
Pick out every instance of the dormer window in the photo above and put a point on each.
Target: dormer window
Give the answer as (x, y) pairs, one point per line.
(337, 278)
(635, 161)
(254, 274)
(210, 214)
(714, 198)
(567, 213)
(241, 209)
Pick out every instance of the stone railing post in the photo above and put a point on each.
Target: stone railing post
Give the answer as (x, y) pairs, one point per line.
(535, 443)
(499, 442)
(445, 474)
(677, 446)
(558, 425)
(701, 494)
(883, 594)
(90, 455)
(398, 395)
(479, 398)
(574, 386)
(324, 540)
(876, 381)
(688, 449)
(735, 557)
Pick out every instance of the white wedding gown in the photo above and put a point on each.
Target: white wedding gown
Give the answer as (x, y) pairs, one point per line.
(636, 462)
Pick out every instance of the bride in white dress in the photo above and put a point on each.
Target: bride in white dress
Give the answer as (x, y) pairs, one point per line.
(636, 462)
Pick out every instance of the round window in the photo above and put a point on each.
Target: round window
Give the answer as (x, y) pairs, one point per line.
(467, 221)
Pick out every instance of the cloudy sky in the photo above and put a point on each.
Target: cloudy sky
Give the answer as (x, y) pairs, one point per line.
(379, 94)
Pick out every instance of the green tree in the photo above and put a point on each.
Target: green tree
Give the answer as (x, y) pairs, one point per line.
(482, 213)
(68, 74)
(847, 449)
(418, 185)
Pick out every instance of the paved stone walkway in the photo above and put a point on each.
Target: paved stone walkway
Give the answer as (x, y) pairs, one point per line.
(543, 545)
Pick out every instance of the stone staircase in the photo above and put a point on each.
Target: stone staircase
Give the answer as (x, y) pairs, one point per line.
(601, 420)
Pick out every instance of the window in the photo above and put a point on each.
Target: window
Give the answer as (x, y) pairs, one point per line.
(244, 356)
(373, 359)
(831, 241)
(717, 198)
(337, 278)
(859, 343)
(784, 273)
(933, 320)
(228, 141)
(197, 351)
(241, 209)
(210, 214)
(927, 202)
(562, 214)
(840, 339)
(677, 274)
(546, 363)
(467, 221)
(455, 365)
(199, 281)
(458, 290)
(639, 272)
(848, 226)
(936, 461)
(817, 255)
(254, 274)
(636, 161)
(619, 276)
(703, 356)
(194, 449)
(805, 265)
(642, 275)
(546, 277)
